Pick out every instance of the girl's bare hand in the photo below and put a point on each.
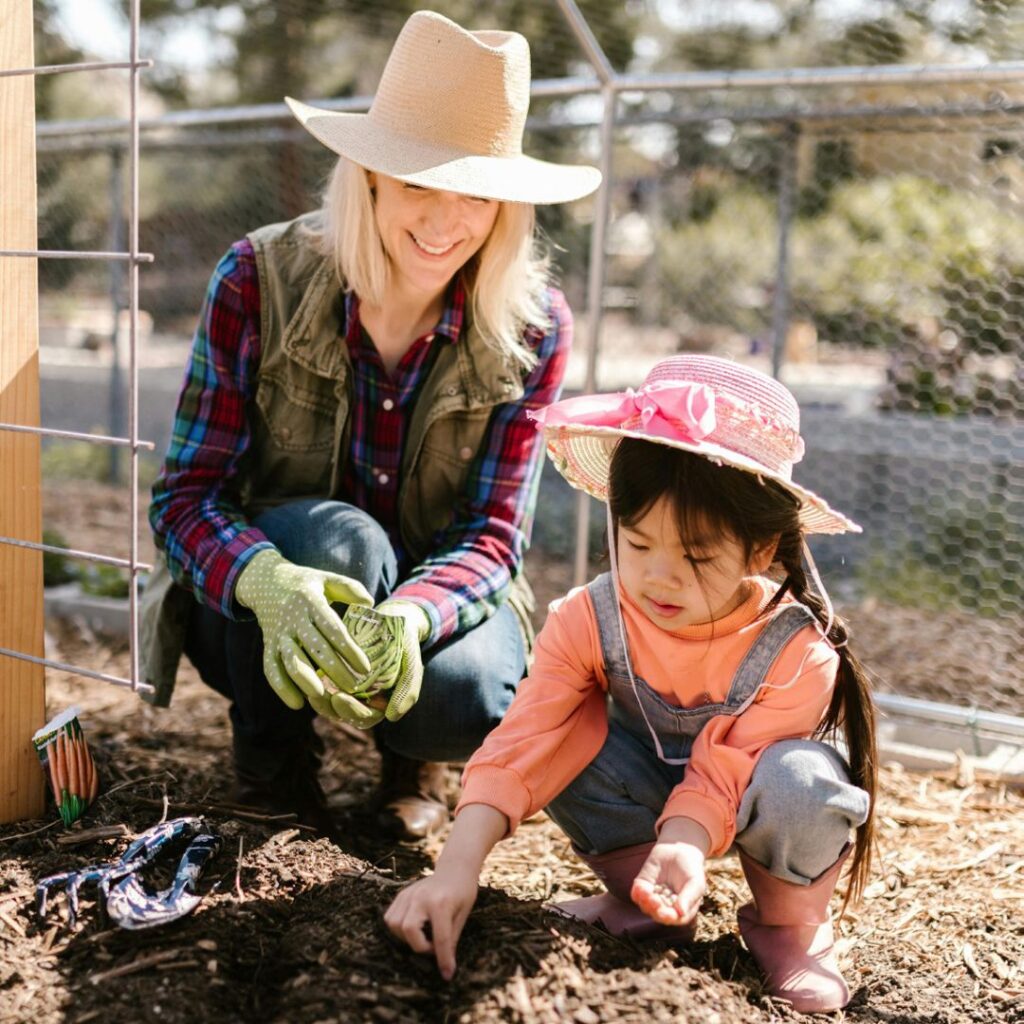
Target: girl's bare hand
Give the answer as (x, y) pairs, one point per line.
(429, 915)
(671, 884)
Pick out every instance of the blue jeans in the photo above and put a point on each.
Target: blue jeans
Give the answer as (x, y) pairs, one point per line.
(468, 681)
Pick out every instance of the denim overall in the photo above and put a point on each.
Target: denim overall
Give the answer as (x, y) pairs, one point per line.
(797, 812)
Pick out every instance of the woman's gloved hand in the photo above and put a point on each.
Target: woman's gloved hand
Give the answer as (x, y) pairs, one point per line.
(390, 637)
(292, 604)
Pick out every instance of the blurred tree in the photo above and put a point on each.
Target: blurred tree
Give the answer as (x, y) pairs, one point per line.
(804, 33)
(60, 208)
(880, 41)
(710, 157)
(994, 26)
(319, 47)
(51, 48)
(336, 48)
(833, 164)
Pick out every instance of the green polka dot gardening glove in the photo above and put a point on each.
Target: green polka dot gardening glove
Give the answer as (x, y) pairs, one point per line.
(292, 604)
(390, 636)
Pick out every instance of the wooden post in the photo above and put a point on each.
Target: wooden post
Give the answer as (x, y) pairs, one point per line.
(22, 697)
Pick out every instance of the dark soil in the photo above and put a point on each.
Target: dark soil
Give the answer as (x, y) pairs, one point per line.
(290, 927)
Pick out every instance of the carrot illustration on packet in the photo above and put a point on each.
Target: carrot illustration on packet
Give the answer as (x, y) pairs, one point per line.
(64, 753)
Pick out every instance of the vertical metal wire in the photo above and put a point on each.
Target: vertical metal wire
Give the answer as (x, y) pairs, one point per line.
(116, 424)
(788, 141)
(133, 340)
(595, 276)
(595, 309)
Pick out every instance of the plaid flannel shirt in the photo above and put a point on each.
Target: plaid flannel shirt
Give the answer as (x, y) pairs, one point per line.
(195, 513)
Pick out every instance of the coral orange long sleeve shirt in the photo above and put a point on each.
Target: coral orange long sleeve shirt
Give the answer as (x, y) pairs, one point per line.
(558, 722)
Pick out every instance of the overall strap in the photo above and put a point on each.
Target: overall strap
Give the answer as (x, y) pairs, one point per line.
(618, 648)
(604, 599)
(770, 643)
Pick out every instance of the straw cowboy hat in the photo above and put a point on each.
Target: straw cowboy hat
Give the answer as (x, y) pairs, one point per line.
(449, 114)
(727, 412)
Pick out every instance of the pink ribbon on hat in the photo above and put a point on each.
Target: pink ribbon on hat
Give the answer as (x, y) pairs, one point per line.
(675, 412)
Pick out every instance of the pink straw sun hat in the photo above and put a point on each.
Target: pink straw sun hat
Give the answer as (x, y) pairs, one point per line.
(727, 412)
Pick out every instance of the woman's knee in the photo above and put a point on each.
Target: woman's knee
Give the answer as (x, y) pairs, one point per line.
(468, 685)
(335, 537)
(448, 730)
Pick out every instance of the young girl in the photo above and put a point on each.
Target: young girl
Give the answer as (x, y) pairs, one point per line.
(670, 706)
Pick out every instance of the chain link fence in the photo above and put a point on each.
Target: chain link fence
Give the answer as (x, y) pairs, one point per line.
(861, 238)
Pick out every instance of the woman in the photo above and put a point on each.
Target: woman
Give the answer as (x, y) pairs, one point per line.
(352, 430)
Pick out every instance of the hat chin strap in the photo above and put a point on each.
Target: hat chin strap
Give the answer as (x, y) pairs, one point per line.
(823, 594)
(613, 558)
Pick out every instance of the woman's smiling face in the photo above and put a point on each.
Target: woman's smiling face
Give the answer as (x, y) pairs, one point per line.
(429, 234)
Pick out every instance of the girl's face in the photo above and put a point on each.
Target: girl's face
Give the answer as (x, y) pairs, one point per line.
(676, 585)
(429, 234)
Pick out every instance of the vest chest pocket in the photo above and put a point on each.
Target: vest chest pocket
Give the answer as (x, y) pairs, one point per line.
(451, 445)
(296, 419)
(437, 479)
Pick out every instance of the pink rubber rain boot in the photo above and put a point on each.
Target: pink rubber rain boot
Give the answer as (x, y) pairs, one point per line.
(614, 909)
(788, 929)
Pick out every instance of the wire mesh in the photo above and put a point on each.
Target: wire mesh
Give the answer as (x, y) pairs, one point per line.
(132, 258)
(893, 309)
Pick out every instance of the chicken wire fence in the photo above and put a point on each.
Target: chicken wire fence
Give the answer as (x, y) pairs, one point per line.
(857, 230)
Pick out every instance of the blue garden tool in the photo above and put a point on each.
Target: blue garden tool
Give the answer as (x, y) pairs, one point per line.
(128, 902)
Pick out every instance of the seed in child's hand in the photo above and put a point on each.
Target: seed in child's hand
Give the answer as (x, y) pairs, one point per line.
(663, 894)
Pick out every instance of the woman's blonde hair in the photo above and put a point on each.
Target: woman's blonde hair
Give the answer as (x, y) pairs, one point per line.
(504, 281)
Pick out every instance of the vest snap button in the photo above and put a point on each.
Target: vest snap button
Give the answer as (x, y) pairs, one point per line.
(451, 390)
(466, 453)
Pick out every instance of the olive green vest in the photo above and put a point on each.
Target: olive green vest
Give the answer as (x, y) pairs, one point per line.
(300, 426)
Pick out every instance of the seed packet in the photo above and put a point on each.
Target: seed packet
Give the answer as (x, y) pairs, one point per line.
(64, 755)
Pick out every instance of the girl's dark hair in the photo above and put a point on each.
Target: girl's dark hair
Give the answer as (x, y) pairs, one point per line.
(713, 502)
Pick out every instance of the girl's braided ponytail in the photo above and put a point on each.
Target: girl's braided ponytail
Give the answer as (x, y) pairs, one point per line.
(851, 706)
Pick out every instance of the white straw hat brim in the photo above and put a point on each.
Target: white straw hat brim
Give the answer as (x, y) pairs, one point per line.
(583, 456)
(518, 179)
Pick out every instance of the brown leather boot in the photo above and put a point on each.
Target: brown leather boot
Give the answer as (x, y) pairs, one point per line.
(283, 780)
(409, 803)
